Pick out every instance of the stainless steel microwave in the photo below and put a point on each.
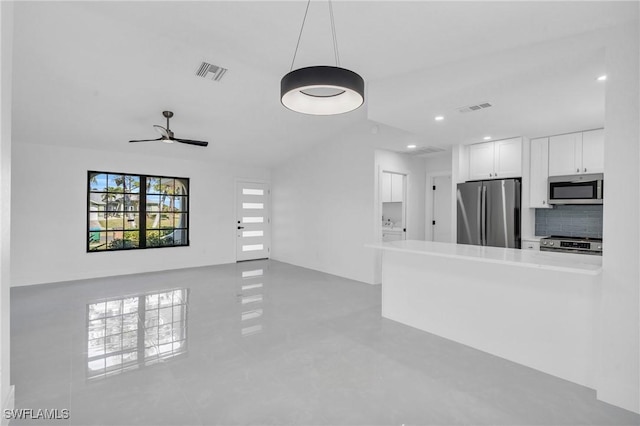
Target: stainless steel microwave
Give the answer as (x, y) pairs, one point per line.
(576, 189)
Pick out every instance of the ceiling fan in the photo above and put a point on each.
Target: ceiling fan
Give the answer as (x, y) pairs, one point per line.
(167, 134)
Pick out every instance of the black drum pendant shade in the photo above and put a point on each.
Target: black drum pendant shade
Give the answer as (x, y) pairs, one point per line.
(322, 90)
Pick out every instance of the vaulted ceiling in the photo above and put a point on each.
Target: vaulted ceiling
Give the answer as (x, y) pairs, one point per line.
(96, 74)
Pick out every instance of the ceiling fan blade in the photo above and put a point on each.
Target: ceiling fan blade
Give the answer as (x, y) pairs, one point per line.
(147, 140)
(164, 132)
(191, 142)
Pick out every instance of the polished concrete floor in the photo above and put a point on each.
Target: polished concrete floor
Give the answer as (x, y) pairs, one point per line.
(261, 343)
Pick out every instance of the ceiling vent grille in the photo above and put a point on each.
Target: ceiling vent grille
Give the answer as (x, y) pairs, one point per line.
(423, 151)
(478, 107)
(210, 71)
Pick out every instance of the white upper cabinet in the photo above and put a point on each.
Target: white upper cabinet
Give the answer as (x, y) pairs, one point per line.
(593, 151)
(386, 187)
(397, 187)
(576, 153)
(392, 187)
(496, 160)
(539, 173)
(508, 158)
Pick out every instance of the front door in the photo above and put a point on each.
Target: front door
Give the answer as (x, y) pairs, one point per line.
(253, 222)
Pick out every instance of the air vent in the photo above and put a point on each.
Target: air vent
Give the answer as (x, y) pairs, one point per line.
(211, 72)
(423, 151)
(478, 107)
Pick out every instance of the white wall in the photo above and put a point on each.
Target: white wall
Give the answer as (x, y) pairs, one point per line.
(619, 381)
(6, 42)
(48, 229)
(438, 163)
(323, 206)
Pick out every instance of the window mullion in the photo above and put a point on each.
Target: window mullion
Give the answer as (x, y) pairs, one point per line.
(143, 212)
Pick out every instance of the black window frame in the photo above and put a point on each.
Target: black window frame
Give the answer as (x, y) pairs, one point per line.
(142, 211)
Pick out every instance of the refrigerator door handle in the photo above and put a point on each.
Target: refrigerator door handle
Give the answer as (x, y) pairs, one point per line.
(483, 217)
(479, 216)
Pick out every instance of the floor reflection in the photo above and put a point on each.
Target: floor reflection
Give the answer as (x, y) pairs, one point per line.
(251, 299)
(127, 333)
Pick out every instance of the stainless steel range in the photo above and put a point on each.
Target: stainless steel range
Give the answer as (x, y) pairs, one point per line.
(572, 245)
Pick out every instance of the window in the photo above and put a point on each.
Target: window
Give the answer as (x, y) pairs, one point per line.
(126, 211)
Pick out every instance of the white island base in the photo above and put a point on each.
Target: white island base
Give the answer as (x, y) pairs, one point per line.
(534, 308)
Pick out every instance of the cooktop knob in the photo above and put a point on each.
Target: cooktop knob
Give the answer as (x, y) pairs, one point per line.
(551, 243)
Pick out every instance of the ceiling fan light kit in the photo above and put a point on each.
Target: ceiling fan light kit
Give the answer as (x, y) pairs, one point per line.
(321, 89)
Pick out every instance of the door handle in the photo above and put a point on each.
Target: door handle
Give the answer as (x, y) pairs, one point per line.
(240, 227)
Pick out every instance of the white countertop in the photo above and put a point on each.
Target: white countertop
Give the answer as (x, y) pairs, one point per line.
(565, 262)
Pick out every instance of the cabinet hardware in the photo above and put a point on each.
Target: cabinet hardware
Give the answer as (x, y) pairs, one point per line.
(577, 170)
(240, 227)
(433, 222)
(585, 169)
(489, 174)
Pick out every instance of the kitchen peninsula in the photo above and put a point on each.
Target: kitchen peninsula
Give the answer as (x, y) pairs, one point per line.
(535, 308)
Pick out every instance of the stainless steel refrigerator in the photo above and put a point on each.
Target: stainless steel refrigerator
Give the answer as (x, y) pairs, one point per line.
(489, 213)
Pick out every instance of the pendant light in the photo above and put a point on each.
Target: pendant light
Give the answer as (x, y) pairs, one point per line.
(321, 89)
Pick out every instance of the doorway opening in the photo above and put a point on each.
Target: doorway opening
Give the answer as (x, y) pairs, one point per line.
(393, 197)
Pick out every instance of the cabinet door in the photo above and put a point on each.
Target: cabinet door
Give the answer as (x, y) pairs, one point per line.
(530, 245)
(397, 187)
(565, 154)
(539, 176)
(481, 161)
(386, 187)
(593, 151)
(507, 158)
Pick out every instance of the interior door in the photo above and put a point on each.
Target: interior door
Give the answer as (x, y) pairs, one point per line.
(441, 209)
(253, 222)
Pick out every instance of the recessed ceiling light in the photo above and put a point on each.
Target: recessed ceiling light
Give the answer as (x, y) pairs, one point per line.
(411, 146)
(486, 138)
(439, 118)
(602, 78)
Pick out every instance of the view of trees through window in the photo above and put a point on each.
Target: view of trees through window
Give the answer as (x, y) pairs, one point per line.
(128, 211)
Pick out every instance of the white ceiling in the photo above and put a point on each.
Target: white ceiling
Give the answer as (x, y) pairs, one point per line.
(96, 74)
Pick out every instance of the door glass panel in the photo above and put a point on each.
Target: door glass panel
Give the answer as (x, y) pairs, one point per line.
(252, 233)
(253, 219)
(249, 191)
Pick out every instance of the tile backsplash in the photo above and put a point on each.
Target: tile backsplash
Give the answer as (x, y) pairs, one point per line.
(570, 221)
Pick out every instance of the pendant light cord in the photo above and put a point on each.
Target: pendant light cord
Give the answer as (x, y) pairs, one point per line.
(333, 34)
(336, 54)
(300, 35)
